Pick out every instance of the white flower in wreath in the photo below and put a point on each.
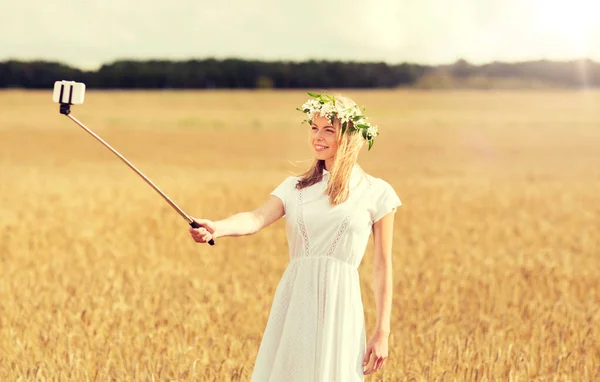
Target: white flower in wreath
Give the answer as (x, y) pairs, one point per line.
(345, 115)
(327, 109)
(372, 131)
(311, 105)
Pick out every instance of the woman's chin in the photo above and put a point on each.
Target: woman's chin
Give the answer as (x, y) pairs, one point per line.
(322, 154)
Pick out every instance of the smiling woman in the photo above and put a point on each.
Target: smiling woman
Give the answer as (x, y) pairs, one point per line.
(316, 328)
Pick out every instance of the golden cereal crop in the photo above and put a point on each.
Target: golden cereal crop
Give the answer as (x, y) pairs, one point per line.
(496, 252)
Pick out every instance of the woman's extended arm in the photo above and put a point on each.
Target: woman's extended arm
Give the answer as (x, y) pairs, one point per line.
(249, 223)
(240, 224)
(382, 286)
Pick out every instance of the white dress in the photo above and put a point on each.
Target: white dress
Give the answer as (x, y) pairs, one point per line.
(316, 327)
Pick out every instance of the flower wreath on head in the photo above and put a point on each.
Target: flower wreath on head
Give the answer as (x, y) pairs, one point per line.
(327, 106)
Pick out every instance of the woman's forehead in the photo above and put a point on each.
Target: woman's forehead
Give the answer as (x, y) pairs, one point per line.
(319, 120)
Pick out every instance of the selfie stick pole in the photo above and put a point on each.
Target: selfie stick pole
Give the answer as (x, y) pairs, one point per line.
(66, 110)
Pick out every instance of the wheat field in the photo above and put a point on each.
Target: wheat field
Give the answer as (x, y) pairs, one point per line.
(496, 250)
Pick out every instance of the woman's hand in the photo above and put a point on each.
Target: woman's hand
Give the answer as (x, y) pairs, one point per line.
(205, 232)
(378, 347)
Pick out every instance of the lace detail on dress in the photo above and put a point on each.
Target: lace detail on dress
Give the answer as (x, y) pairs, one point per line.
(300, 222)
(346, 222)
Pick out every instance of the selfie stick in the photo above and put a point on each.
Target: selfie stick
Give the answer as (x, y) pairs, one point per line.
(69, 93)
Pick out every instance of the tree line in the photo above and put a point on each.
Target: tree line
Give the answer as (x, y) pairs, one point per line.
(249, 74)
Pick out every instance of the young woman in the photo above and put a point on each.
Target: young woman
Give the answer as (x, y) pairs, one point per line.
(316, 327)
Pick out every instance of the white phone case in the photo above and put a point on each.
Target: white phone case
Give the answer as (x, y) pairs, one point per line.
(69, 92)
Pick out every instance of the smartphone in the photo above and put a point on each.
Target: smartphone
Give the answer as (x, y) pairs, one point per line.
(68, 92)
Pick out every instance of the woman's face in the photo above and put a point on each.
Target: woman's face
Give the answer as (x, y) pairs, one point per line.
(323, 138)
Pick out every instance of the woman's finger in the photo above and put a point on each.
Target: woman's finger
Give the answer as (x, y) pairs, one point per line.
(198, 231)
(204, 223)
(367, 356)
(379, 363)
(196, 236)
(371, 369)
(371, 361)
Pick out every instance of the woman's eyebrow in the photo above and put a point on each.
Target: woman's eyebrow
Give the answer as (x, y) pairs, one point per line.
(326, 126)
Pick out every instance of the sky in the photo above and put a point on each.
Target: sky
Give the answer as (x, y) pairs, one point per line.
(88, 33)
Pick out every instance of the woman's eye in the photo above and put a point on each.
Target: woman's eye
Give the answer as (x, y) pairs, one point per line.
(331, 131)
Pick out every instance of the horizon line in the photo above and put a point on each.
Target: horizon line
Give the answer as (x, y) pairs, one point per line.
(295, 61)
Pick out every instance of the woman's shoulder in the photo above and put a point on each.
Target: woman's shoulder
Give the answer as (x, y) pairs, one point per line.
(377, 182)
(285, 189)
(291, 181)
(383, 194)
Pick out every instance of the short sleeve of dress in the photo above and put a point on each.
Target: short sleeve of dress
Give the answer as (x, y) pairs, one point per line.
(386, 200)
(284, 189)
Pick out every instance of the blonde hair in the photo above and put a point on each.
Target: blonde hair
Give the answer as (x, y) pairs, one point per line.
(349, 145)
